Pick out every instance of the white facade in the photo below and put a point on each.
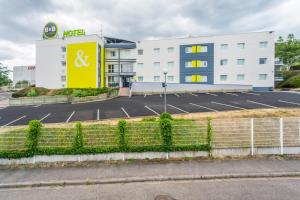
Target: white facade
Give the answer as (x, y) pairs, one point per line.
(24, 73)
(242, 53)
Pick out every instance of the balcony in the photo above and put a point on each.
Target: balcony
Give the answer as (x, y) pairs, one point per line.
(125, 70)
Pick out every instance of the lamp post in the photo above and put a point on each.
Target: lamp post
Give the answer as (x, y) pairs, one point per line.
(165, 71)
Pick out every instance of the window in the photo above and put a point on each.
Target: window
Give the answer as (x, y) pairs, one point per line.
(63, 63)
(188, 49)
(188, 64)
(170, 78)
(140, 52)
(224, 46)
(140, 65)
(188, 79)
(196, 63)
(241, 45)
(240, 61)
(223, 62)
(262, 77)
(240, 77)
(156, 78)
(170, 49)
(63, 78)
(156, 50)
(63, 49)
(111, 68)
(203, 79)
(262, 61)
(171, 64)
(112, 53)
(140, 79)
(156, 64)
(202, 49)
(263, 44)
(223, 77)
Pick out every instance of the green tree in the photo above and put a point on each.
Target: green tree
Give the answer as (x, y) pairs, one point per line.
(4, 75)
(288, 50)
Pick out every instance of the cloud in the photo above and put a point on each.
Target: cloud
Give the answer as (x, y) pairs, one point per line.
(22, 22)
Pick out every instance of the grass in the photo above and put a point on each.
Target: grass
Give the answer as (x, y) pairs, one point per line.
(13, 139)
(100, 135)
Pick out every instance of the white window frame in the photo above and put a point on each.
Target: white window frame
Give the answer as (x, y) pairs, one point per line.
(238, 76)
(171, 49)
(156, 64)
(266, 61)
(156, 78)
(169, 78)
(140, 78)
(188, 49)
(188, 64)
(140, 65)
(263, 44)
(156, 51)
(224, 46)
(171, 64)
(190, 78)
(221, 62)
(140, 52)
(240, 59)
(223, 75)
(260, 75)
(112, 53)
(241, 45)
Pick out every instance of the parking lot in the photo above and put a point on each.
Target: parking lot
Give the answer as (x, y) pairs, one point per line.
(147, 105)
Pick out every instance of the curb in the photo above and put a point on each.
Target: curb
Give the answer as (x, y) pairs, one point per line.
(147, 179)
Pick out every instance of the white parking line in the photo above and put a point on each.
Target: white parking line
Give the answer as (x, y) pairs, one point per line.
(228, 105)
(45, 117)
(36, 106)
(160, 95)
(14, 121)
(289, 102)
(251, 93)
(231, 94)
(261, 104)
(145, 95)
(193, 94)
(128, 116)
(212, 94)
(177, 95)
(178, 108)
(152, 110)
(204, 107)
(98, 114)
(70, 116)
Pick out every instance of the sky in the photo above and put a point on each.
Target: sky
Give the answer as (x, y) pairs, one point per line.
(22, 21)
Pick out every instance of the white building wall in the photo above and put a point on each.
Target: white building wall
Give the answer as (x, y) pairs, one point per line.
(21, 73)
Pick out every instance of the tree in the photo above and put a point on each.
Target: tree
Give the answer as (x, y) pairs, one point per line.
(4, 75)
(288, 50)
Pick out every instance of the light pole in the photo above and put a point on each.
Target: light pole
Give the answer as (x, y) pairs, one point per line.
(165, 71)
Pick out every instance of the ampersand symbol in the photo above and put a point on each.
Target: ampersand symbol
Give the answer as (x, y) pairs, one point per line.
(81, 60)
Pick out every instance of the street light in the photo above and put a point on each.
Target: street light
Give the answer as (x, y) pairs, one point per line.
(165, 71)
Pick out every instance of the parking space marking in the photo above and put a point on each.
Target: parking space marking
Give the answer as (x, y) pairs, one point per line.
(14, 121)
(145, 95)
(160, 95)
(152, 110)
(45, 117)
(36, 106)
(211, 94)
(207, 108)
(289, 102)
(128, 116)
(178, 108)
(98, 114)
(70, 116)
(251, 93)
(228, 105)
(177, 95)
(231, 94)
(193, 94)
(258, 103)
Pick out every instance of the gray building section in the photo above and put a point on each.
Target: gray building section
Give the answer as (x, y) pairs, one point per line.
(203, 56)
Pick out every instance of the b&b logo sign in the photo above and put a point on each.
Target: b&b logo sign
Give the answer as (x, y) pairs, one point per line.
(50, 31)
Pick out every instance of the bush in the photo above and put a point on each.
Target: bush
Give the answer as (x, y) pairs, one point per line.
(28, 91)
(32, 93)
(292, 82)
(165, 116)
(78, 142)
(33, 134)
(166, 133)
(209, 133)
(64, 91)
(121, 133)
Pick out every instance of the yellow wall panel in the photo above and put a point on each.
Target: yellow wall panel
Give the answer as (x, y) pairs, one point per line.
(198, 63)
(194, 49)
(193, 63)
(102, 67)
(198, 49)
(198, 78)
(82, 65)
(194, 78)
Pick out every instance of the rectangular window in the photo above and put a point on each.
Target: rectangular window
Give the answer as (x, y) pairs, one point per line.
(203, 79)
(63, 78)
(188, 64)
(140, 52)
(203, 63)
(140, 65)
(171, 64)
(241, 45)
(224, 46)
(241, 61)
(203, 49)
(156, 64)
(170, 78)
(262, 61)
(112, 53)
(156, 50)
(156, 78)
(63, 49)
(263, 44)
(223, 77)
(223, 62)
(196, 63)
(188, 79)
(63, 63)
(140, 79)
(188, 49)
(111, 68)
(240, 77)
(170, 49)
(262, 77)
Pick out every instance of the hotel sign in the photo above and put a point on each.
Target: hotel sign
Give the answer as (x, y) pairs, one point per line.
(50, 30)
(74, 33)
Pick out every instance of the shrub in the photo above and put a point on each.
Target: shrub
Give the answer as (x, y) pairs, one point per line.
(165, 115)
(33, 134)
(64, 91)
(32, 93)
(78, 141)
(24, 92)
(166, 133)
(209, 133)
(121, 133)
(292, 82)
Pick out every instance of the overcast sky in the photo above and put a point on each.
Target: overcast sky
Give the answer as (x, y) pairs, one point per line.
(22, 21)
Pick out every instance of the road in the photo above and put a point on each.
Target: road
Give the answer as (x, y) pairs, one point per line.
(148, 105)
